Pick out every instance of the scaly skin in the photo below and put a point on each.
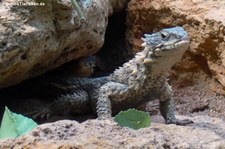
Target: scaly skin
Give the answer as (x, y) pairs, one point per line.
(142, 79)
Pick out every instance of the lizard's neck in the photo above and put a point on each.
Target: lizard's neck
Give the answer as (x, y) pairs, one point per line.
(139, 70)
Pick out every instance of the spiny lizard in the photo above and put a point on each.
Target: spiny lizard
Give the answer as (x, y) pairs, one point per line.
(141, 79)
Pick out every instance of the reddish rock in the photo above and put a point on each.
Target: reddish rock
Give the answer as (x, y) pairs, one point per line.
(205, 23)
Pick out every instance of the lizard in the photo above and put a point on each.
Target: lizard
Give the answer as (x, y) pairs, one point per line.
(141, 79)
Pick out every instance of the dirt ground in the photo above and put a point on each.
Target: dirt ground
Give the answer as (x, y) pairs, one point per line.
(193, 100)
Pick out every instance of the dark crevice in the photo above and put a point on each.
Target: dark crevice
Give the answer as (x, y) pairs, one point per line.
(113, 52)
(202, 63)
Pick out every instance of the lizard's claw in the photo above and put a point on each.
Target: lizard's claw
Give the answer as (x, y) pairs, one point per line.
(104, 117)
(41, 113)
(106, 121)
(184, 122)
(180, 122)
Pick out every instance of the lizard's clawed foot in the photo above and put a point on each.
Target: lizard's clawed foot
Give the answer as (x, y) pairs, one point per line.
(180, 122)
(107, 121)
(104, 117)
(184, 122)
(41, 113)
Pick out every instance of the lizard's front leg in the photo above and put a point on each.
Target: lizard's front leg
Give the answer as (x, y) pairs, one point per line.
(107, 92)
(167, 108)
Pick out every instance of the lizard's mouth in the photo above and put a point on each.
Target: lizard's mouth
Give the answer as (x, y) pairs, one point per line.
(171, 47)
(172, 44)
(185, 38)
(179, 45)
(185, 41)
(182, 44)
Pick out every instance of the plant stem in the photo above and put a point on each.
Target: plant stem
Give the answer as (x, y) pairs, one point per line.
(79, 11)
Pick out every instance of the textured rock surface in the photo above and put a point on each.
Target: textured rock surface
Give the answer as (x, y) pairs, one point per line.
(207, 133)
(205, 22)
(34, 39)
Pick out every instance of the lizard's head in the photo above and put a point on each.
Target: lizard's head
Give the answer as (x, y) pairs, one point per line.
(166, 47)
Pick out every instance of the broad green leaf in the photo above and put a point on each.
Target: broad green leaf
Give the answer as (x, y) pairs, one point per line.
(24, 124)
(14, 125)
(8, 127)
(133, 119)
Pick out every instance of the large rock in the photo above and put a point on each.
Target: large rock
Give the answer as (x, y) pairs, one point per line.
(205, 22)
(206, 133)
(35, 39)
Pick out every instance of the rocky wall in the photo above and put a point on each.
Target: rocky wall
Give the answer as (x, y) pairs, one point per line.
(37, 38)
(204, 62)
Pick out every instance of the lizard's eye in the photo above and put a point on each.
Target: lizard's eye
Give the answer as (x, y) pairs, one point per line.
(164, 35)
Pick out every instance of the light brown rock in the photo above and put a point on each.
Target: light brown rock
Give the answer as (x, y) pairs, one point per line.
(206, 133)
(205, 23)
(35, 39)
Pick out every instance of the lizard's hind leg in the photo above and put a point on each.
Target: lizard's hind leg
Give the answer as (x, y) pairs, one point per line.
(70, 103)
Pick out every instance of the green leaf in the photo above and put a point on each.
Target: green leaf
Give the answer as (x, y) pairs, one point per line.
(14, 125)
(133, 119)
(8, 128)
